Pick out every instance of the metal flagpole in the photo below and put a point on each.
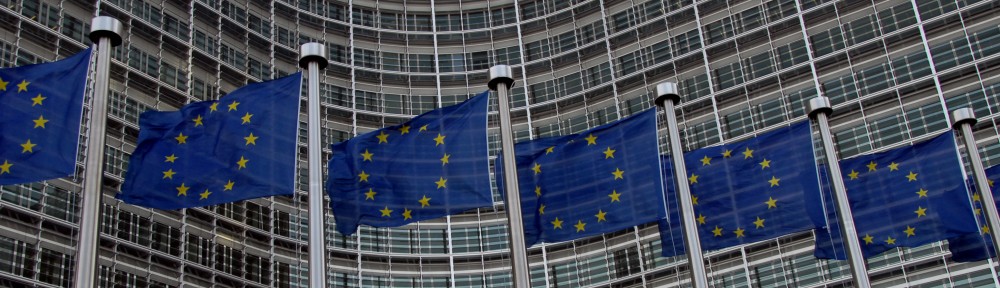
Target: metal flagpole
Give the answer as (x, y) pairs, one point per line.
(819, 108)
(501, 79)
(106, 32)
(963, 119)
(666, 98)
(313, 58)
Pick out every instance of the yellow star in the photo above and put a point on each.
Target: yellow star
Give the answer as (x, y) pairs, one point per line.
(727, 153)
(717, 231)
(367, 156)
(910, 231)
(693, 179)
(204, 195)
(541, 209)
(868, 239)
(591, 139)
(985, 229)
(619, 174)
(169, 174)
(439, 139)
(422, 128)
(893, 166)
(615, 196)
(538, 191)
(246, 118)
(386, 212)
(550, 150)
(537, 168)
(182, 190)
(363, 177)
(990, 182)
(890, 241)
(382, 137)
(370, 195)
(977, 211)
(407, 214)
(198, 121)
(228, 186)
(694, 200)
(557, 224)
(171, 158)
(748, 153)
(23, 86)
(251, 139)
(601, 215)
(441, 183)
(404, 129)
(871, 166)
(771, 203)
(214, 107)
(580, 225)
(773, 181)
(701, 219)
(921, 211)
(705, 161)
(232, 106)
(609, 153)
(27, 147)
(242, 163)
(853, 174)
(976, 197)
(921, 193)
(3, 85)
(759, 223)
(181, 139)
(765, 164)
(444, 160)
(40, 122)
(739, 232)
(911, 177)
(5, 167)
(37, 100)
(424, 202)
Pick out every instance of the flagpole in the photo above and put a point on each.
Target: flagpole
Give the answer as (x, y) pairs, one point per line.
(666, 97)
(819, 108)
(501, 79)
(313, 58)
(106, 32)
(963, 119)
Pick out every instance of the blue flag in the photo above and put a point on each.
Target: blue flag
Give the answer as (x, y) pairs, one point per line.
(239, 147)
(434, 165)
(40, 122)
(976, 246)
(752, 190)
(905, 197)
(602, 180)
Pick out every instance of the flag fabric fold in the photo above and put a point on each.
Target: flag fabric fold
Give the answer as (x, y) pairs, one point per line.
(40, 123)
(756, 189)
(434, 165)
(213, 152)
(602, 180)
(905, 197)
(977, 246)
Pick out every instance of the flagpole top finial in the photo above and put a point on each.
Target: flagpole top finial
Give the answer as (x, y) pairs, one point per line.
(819, 104)
(666, 91)
(501, 74)
(105, 26)
(962, 116)
(310, 52)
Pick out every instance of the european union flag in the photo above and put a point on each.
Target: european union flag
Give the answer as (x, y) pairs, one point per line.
(905, 197)
(976, 246)
(40, 123)
(752, 190)
(239, 147)
(602, 180)
(434, 165)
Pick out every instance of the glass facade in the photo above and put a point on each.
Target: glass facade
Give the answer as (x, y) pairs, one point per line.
(892, 68)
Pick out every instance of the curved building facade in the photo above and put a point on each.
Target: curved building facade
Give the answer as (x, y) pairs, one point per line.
(892, 68)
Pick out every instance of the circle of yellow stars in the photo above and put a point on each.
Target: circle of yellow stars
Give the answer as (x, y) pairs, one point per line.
(613, 197)
(771, 203)
(384, 138)
(199, 121)
(919, 212)
(27, 146)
